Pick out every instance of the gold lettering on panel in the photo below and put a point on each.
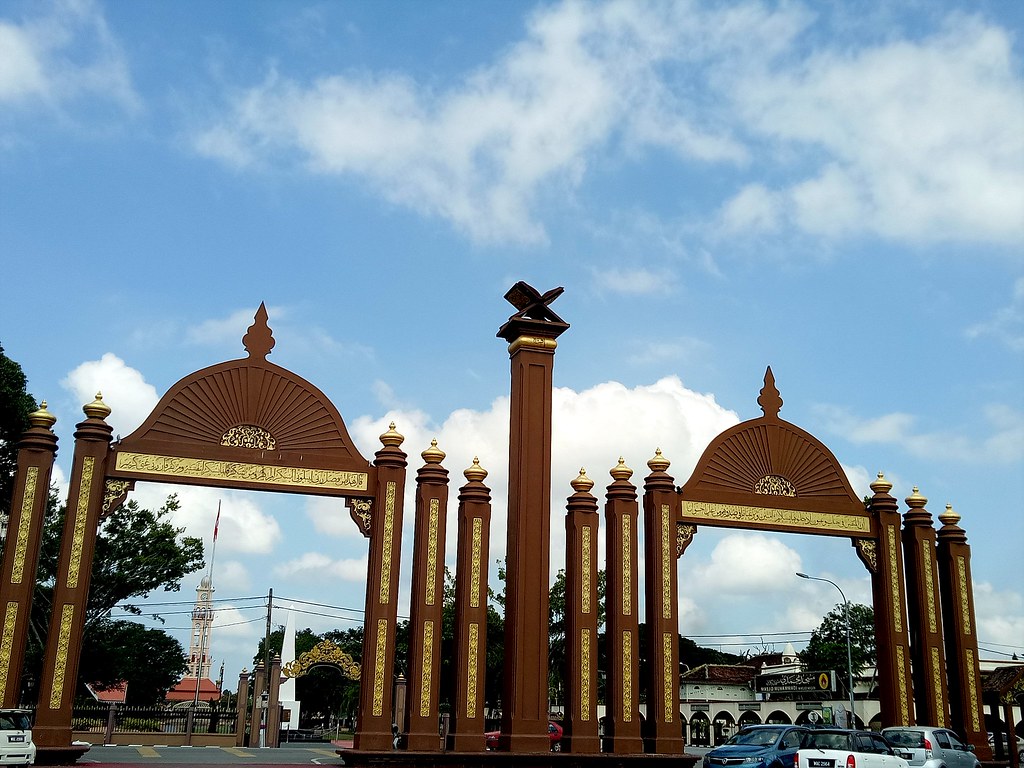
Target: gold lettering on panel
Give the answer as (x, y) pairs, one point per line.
(811, 521)
(241, 472)
(894, 580)
(901, 681)
(668, 679)
(471, 668)
(81, 515)
(24, 525)
(7, 643)
(627, 677)
(61, 662)
(926, 558)
(585, 585)
(972, 687)
(584, 674)
(386, 553)
(428, 663)
(965, 606)
(378, 667)
(627, 568)
(474, 567)
(432, 551)
(937, 672)
(667, 561)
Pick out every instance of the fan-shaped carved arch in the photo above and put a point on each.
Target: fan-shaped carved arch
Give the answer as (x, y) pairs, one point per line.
(768, 473)
(324, 653)
(246, 423)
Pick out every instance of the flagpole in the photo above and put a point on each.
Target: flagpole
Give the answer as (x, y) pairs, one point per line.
(205, 629)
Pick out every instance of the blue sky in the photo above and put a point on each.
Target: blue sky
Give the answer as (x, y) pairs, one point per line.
(836, 191)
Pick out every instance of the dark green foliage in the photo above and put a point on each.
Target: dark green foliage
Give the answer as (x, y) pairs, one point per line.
(827, 647)
(149, 659)
(15, 406)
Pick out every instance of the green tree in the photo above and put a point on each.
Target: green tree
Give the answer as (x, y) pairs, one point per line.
(149, 659)
(15, 406)
(827, 647)
(138, 551)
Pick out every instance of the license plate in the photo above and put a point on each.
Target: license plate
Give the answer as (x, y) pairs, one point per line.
(820, 763)
(20, 737)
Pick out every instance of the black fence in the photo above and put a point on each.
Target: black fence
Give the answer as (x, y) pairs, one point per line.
(117, 718)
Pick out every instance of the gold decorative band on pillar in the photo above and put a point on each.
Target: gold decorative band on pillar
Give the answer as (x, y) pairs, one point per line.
(585, 674)
(378, 667)
(667, 561)
(972, 689)
(627, 677)
(474, 589)
(61, 665)
(894, 578)
(21, 547)
(81, 515)
(627, 573)
(7, 642)
(901, 666)
(669, 678)
(471, 665)
(428, 667)
(538, 343)
(431, 580)
(389, 535)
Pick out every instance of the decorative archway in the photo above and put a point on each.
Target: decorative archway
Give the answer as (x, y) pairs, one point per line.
(244, 424)
(323, 654)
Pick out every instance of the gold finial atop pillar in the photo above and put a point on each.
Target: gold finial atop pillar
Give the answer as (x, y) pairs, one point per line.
(582, 483)
(433, 454)
(658, 463)
(42, 418)
(475, 473)
(881, 485)
(97, 409)
(915, 500)
(392, 437)
(620, 471)
(949, 516)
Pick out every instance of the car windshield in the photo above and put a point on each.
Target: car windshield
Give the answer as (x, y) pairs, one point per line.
(14, 721)
(755, 737)
(827, 740)
(902, 738)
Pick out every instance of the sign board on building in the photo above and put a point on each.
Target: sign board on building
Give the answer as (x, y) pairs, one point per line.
(752, 705)
(796, 682)
(700, 707)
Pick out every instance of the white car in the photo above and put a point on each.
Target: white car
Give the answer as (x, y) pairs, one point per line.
(16, 747)
(841, 748)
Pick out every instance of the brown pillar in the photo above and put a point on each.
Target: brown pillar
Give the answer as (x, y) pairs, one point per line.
(241, 707)
(581, 531)
(421, 721)
(531, 334)
(928, 661)
(960, 626)
(471, 611)
(891, 637)
(36, 451)
(664, 733)
(622, 724)
(70, 594)
(274, 702)
(373, 729)
(256, 711)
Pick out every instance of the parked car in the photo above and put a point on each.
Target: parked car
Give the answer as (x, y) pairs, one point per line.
(1003, 737)
(842, 748)
(931, 747)
(758, 746)
(16, 746)
(554, 737)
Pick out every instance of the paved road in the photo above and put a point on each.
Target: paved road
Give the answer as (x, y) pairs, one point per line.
(311, 754)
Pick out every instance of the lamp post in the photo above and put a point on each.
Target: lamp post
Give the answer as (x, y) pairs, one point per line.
(849, 646)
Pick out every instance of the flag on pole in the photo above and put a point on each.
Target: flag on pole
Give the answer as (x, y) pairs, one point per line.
(216, 525)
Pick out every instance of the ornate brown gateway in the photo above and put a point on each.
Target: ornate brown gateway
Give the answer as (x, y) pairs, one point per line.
(253, 425)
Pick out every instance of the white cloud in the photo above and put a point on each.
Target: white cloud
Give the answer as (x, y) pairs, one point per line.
(61, 56)
(638, 281)
(745, 564)
(755, 208)
(919, 140)
(1007, 323)
(1000, 616)
(124, 389)
(318, 566)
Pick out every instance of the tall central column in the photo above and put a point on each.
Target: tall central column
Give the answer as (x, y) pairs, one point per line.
(531, 335)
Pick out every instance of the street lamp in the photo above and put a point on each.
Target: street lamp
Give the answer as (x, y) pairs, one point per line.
(849, 647)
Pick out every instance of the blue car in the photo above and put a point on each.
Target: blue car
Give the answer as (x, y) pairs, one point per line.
(758, 746)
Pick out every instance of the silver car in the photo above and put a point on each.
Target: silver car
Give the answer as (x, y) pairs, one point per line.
(928, 747)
